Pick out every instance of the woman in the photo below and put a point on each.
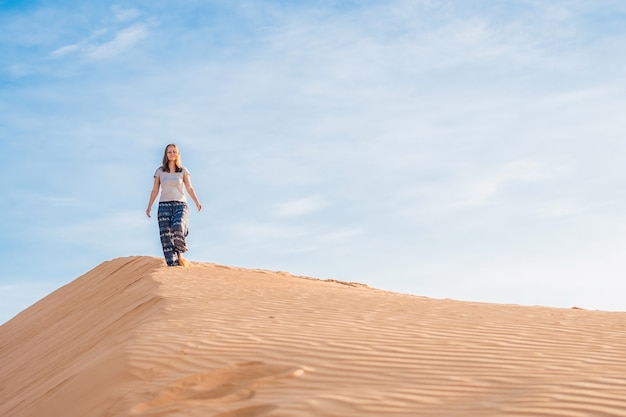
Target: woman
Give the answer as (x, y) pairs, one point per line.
(170, 178)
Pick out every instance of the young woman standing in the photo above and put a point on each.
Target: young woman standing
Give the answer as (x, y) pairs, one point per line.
(173, 212)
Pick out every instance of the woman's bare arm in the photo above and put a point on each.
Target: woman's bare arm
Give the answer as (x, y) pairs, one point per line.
(192, 192)
(153, 194)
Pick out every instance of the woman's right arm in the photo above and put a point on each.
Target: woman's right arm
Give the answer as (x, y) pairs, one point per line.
(153, 194)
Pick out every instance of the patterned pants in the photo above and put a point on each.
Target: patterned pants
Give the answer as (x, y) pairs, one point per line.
(173, 228)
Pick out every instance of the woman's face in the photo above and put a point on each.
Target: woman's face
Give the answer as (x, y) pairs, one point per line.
(172, 153)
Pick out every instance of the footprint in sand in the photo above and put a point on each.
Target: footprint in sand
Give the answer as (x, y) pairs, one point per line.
(222, 386)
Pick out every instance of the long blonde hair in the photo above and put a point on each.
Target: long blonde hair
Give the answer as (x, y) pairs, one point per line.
(166, 166)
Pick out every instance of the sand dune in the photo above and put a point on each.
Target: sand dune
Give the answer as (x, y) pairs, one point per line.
(133, 337)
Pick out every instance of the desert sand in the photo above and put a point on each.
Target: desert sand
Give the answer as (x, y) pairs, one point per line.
(133, 337)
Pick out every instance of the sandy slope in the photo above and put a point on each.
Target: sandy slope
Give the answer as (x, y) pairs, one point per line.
(135, 338)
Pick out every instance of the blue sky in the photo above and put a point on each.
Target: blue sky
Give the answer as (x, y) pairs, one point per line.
(450, 149)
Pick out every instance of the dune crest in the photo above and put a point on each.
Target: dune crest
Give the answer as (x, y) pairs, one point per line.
(133, 337)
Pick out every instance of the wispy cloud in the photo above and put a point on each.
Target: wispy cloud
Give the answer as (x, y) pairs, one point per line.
(480, 192)
(125, 14)
(299, 207)
(121, 42)
(106, 44)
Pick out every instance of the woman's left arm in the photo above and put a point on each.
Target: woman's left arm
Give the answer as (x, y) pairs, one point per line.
(191, 191)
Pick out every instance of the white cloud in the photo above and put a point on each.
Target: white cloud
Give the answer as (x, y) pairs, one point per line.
(480, 192)
(340, 235)
(562, 208)
(252, 232)
(122, 41)
(123, 14)
(52, 200)
(97, 48)
(299, 207)
(66, 50)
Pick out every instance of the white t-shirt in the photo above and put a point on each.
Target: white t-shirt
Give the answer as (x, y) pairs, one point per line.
(172, 185)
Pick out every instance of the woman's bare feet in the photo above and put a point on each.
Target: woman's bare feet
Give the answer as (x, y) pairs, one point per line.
(182, 261)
